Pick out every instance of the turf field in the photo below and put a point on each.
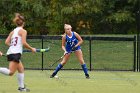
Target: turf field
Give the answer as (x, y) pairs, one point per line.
(74, 82)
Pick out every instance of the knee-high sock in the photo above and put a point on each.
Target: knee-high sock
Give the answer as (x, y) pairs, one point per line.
(20, 77)
(58, 68)
(4, 71)
(84, 68)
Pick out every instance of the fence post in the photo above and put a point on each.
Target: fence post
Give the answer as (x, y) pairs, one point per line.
(138, 32)
(138, 54)
(90, 53)
(42, 37)
(135, 67)
(138, 27)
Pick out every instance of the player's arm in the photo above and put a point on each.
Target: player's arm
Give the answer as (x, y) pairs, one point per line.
(80, 40)
(63, 42)
(8, 39)
(23, 34)
(0, 53)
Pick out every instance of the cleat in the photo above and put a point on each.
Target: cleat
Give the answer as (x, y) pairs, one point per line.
(87, 76)
(52, 76)
(23, 89)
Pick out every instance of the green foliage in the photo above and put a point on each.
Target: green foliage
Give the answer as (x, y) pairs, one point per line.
(86, 16)
(120, 17)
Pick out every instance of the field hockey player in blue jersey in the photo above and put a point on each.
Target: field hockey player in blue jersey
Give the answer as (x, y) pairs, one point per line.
(71, 42)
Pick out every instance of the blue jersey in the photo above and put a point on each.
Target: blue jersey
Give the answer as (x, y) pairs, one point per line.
(71, 42)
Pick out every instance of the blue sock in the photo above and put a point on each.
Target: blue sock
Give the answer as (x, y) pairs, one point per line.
(84, 69)
(58, 68)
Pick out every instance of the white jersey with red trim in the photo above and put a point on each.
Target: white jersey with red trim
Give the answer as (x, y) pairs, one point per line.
(16, 45)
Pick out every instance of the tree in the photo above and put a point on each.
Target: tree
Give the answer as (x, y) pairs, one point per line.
(85, 16)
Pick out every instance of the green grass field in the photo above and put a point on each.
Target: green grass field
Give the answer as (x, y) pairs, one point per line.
(74, 82)
(106, 55)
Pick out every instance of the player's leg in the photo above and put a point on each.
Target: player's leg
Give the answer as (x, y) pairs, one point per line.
(13, 63)
(20, 77)
(79, 55)
(12, 69)
(4, 71)
(63, 62)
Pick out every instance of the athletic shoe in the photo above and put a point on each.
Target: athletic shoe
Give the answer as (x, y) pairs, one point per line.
(23, 89)
(52, 75)
(87, 76)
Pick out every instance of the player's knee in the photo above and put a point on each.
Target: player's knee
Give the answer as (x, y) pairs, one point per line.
(21, 70)
(81, 60)
(63, 63)
(11, 73)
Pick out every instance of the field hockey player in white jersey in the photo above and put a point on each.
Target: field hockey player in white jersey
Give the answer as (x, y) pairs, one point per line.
(16, 40)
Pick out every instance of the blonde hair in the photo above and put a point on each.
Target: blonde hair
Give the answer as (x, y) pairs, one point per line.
(67, 26)
(19, 19)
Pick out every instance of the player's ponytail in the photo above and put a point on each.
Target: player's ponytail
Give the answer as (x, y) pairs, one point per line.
(19, 19)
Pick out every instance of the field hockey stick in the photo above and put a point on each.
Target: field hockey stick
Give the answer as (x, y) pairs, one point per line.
(58, 60)
(38, 50)
(62, 57)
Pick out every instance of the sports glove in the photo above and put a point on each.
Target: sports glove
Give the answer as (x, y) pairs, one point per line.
(73, 48)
